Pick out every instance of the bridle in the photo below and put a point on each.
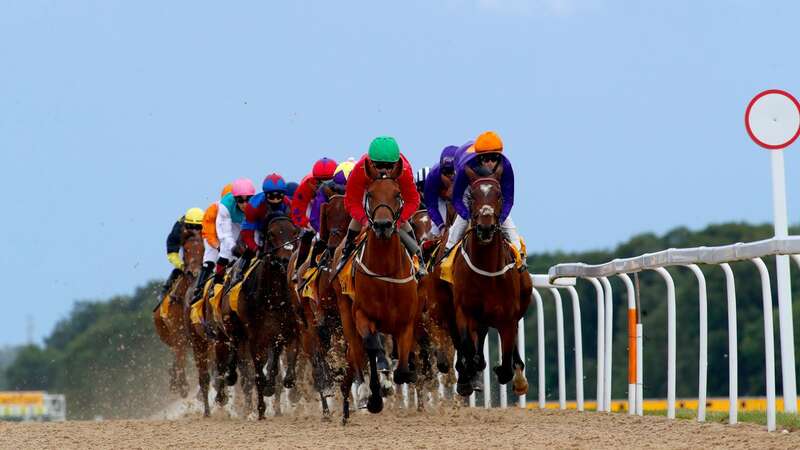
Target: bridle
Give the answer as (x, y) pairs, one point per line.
(269, 249)
(371, 213)
(483, 211)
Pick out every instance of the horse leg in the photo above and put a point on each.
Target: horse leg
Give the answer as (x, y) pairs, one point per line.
(344, 387)
(480, 362)
(200, 348)
(466, 354)
(508, 338)
(221, 353)
(373, 346)
(180, 369)
(232, 375)
(291, 363)
(273, 357)
(404, 373)
(261, 382)
(520, 382)
(248, 377)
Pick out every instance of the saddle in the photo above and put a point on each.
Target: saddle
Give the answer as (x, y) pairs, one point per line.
(347, 276)
(447, 262)
(233, 292)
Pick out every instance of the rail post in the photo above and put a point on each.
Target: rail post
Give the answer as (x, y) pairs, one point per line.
(769, 346)
(733, 358)
(670, 340)
(576, 324)
(601, 322)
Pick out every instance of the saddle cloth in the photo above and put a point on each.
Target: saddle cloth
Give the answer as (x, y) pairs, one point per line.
(447, 263)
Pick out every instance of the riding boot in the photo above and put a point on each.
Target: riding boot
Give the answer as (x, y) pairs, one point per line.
(319, 247)
(205, 273)
(219, 271)
(348, 249)
(306, 236)
(411, 245)
(168, 284)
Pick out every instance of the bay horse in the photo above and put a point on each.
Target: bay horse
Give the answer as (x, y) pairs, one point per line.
(384, 298)
(488, 291)
(266, 319)
(173, 329)
(319, 312)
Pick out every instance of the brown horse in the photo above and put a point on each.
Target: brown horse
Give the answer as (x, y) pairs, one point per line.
(489, 291)
(319, 311)
(266, 320)
(173, 328)
(385, 294)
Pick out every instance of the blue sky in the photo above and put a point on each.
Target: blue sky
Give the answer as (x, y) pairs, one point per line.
(620, 117)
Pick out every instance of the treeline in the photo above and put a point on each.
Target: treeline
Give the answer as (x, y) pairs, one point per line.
(108, 361)
(105, 357)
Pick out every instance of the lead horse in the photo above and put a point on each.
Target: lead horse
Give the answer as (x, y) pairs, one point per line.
(489, 291)
(384, 297)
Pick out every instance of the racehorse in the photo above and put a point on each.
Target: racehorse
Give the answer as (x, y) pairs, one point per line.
(384, 298)
(319, 310)
(172, 327)
(489, 291)
(264, 318)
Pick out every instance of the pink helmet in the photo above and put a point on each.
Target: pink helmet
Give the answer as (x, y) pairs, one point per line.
(243, 186)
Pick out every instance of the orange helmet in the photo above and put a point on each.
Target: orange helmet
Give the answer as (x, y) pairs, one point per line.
(226, 190)
(488, 142)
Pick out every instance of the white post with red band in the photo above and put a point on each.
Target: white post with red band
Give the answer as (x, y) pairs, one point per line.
(772, 120)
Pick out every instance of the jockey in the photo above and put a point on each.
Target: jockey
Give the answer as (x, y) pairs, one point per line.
(422, 174)
(192, 220)
(272, 200)
(229, 223)
(437, 187)
(486, 159)
(323, 170)
(210, 243)
(384, 156)
(334, 186)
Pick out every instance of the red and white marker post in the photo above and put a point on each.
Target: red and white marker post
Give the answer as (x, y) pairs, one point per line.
(772, 120)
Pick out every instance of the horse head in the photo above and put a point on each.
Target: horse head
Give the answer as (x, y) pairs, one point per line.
(383, 204)
(421, 224)
(335, 220)
(192, 251)
(280, 235)
(487, 202)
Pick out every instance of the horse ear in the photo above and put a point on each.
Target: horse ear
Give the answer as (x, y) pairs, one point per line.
(498, 173)
(371, 172)
(328, 191)
(397, 171)
(471, 175)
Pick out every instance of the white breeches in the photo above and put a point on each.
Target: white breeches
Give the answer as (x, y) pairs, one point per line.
(460, 226)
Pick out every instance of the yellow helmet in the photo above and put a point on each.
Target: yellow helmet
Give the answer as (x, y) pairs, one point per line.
(194, 216)
(345, 168)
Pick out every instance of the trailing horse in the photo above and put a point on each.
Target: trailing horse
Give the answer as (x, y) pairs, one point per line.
(316, 299)
(261, 315)
(384, 295)
(489, 291)
(171, 316)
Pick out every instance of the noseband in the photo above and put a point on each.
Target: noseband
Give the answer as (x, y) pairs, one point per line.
(371, 213)
(486, 185)
(269, 248)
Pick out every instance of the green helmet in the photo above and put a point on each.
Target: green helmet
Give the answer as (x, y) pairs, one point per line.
(384, 149)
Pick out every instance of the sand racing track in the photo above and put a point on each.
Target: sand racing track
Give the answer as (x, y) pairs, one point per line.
(442, 428)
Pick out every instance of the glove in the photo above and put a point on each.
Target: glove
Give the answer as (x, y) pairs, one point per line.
(176, 260)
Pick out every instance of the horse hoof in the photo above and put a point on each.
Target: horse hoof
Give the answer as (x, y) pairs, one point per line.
(520, 383)
(231, 378)
(476, 384)
(504, 375)
(288, 383)
(375, 404)
(404, 376)
(443, 367)
(269, 390)
(464, 389)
